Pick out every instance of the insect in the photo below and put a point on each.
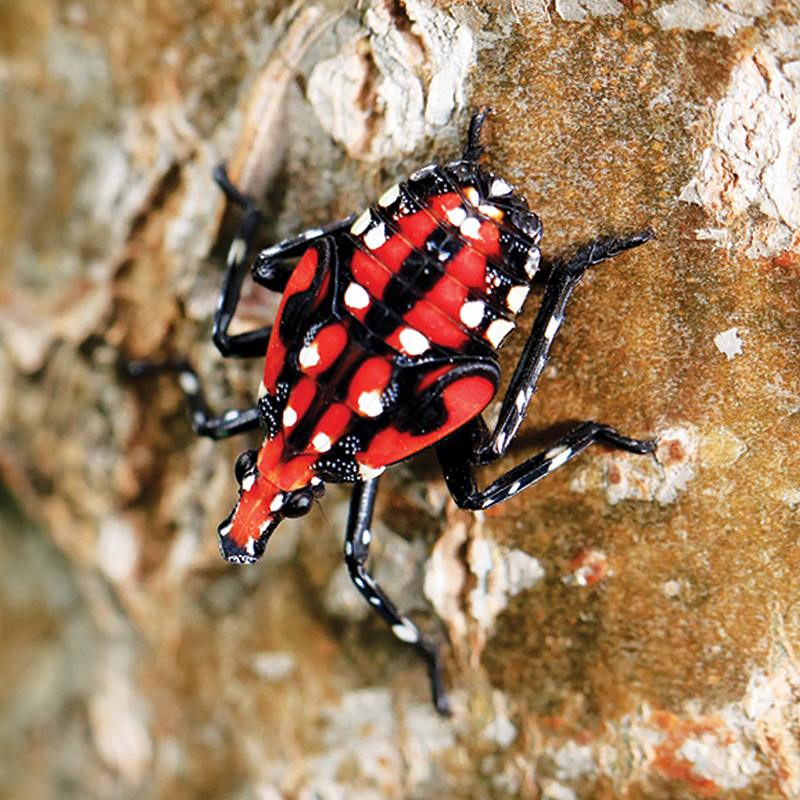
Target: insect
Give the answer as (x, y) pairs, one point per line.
(385, 344)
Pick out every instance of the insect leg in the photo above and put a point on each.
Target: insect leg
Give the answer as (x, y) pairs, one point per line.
(564, 277)
(459, 475)
(356, 553)
(203, 422)
(264, 268)
(250, 343)
(474, 147)
(265, 271)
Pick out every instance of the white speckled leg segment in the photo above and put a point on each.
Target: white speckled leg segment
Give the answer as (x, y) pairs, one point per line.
(204, 422)
(473, 445)
(254, 343)
(251, 343)
(458, 472)
(244, 345)
(356, 553)
(563, 278)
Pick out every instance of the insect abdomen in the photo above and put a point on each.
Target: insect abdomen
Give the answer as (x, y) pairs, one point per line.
(429, 269)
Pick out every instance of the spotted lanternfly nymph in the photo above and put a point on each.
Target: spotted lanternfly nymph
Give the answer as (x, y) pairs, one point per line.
(385, 344)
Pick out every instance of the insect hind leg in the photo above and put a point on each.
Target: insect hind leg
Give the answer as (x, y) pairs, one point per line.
(474, 148)
(473, 445)
(251, 343)
(563, 278)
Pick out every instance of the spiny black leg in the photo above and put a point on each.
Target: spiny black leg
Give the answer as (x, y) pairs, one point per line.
(474, 147)
(562, 280)
(356, 553)
(458, 473)
(265, 271)
(251, 343)
(203, 422)
(473, 445)
(264, 267)
(245, 345)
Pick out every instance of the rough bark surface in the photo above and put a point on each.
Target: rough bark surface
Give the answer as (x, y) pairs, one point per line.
(627, 628)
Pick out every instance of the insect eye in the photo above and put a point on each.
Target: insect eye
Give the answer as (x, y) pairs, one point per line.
(299, 503)
(244, 464)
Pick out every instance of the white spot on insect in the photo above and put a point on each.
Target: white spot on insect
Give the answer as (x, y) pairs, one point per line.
(413, 342)
(532, 262)
(358, 582)
(499, 188)
(369, 403)
(250, 546)
(423, 172)
(262, 390)
(491, 211)
(471, 313)
(316, 481)
(368, 473)
(277, 502)
(237, 251)
(309, 356)
(375, 237)
(189, 383)
(362, 223)
(356, 296)
(455, 216)
(405, 632)
(248, 481)
(513, 489)
(516, 297)
(389, 196)
(552, 328)
(471, 227)
(501, 442)
(230, 415)
(225, 530)
(289, 417)
(471, 193)
(366, 537)
(348, 548)
(311, 233)
(321, 442)
(498, 331)
(521, 401)
(557, 456)
(375, 600)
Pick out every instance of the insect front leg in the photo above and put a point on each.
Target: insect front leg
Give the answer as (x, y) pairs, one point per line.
(249, 344)
(356, 553)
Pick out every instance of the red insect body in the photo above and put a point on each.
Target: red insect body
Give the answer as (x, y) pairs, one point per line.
(385, 341)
